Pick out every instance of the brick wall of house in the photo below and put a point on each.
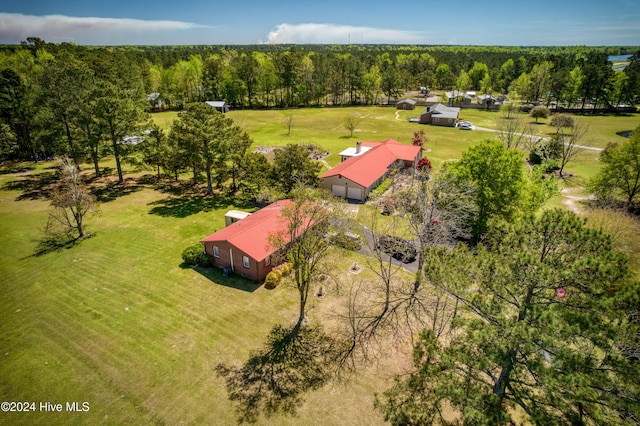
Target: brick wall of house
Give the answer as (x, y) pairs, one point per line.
(256, 271)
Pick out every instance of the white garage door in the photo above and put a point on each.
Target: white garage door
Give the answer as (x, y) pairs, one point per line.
(339, 190)
(354, 192)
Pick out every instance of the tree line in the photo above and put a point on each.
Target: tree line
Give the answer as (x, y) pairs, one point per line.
(60, 98)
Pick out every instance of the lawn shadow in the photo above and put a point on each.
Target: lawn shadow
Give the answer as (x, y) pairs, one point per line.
(53, 243)
(10, 168)
(168, 185)
(187, 205)
(277, 377)
(216, 276)
(33, 186)
(111, 191)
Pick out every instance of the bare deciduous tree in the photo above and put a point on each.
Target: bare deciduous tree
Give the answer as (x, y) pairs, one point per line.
(567, 142)
(369, 315)
(70, 201)
(305, 225)
(439, 211)
(513, 127)
(394, 306)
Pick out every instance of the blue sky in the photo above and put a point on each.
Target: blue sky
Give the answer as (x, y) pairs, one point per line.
(462, 22)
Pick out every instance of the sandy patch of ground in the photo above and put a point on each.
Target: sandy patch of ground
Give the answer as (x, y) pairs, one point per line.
(572, 198)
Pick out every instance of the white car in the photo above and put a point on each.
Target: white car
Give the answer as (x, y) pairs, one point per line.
(465, 125)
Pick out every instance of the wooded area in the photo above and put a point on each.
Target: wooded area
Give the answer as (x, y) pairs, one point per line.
(60, 99)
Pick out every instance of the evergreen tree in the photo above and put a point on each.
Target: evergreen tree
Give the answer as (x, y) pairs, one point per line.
(541, 333)
(206, 136)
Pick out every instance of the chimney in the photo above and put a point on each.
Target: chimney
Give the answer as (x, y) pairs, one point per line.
(358, 147)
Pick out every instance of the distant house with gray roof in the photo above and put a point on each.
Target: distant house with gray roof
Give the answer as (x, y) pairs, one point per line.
(440, 115)
(486, 100)
(406, 104)
(458, 97)
(221, 106)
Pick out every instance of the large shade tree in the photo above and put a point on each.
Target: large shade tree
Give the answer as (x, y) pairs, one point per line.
(208, 136)
(620, 175)
(292, 167)
(66, 86)
(119, 115)
(498, 174)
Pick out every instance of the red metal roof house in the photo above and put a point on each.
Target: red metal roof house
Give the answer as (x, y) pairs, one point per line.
(244, 246)
(364, 169)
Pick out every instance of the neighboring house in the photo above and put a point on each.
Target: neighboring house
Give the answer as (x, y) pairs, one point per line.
(486, 100)
(243, 247)
(155, 100)
(371, 162)
(460, 97)
(440, 115)
(134, 139)
(406, 104)
(221, 106)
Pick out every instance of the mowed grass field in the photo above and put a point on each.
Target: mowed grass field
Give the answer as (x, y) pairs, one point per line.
(117, 322)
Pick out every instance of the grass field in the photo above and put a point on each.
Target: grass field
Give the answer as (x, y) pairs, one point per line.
(116, 321)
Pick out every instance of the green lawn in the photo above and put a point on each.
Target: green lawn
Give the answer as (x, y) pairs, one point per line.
(117, 322)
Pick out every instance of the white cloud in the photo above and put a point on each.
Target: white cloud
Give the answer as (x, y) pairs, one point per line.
(340, 34)
(15, 27)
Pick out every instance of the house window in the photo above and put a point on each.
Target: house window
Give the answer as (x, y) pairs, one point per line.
(245, 261)
(450, 120)
(267, 261)
(215, 251)
(436, 120)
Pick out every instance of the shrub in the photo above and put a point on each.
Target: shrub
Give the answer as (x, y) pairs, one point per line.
(286, 269)
(535, 157)
(272, 279)
(550, 165)
(195, 256)
(277, 272)
(540, 111)
(205, 260)
(191, 255)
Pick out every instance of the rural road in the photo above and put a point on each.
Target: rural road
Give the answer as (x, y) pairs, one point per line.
(485, 129)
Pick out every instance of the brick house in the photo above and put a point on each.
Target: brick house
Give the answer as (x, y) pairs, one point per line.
(243, 247)
(364, 167)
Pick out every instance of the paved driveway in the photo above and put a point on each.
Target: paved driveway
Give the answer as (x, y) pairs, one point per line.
(366, 250)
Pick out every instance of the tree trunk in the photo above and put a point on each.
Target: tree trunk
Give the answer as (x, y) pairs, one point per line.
(96, 167)
(79, 227)
(209, 185)
(116, 153)
(301, 315)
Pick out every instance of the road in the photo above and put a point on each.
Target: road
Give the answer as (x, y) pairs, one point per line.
(485, 129)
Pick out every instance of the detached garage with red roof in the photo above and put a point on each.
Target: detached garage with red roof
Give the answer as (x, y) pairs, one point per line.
(364, 168)
(243, 247)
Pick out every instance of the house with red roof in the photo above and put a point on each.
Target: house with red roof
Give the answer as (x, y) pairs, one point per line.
(243, 247)
(364, 167)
